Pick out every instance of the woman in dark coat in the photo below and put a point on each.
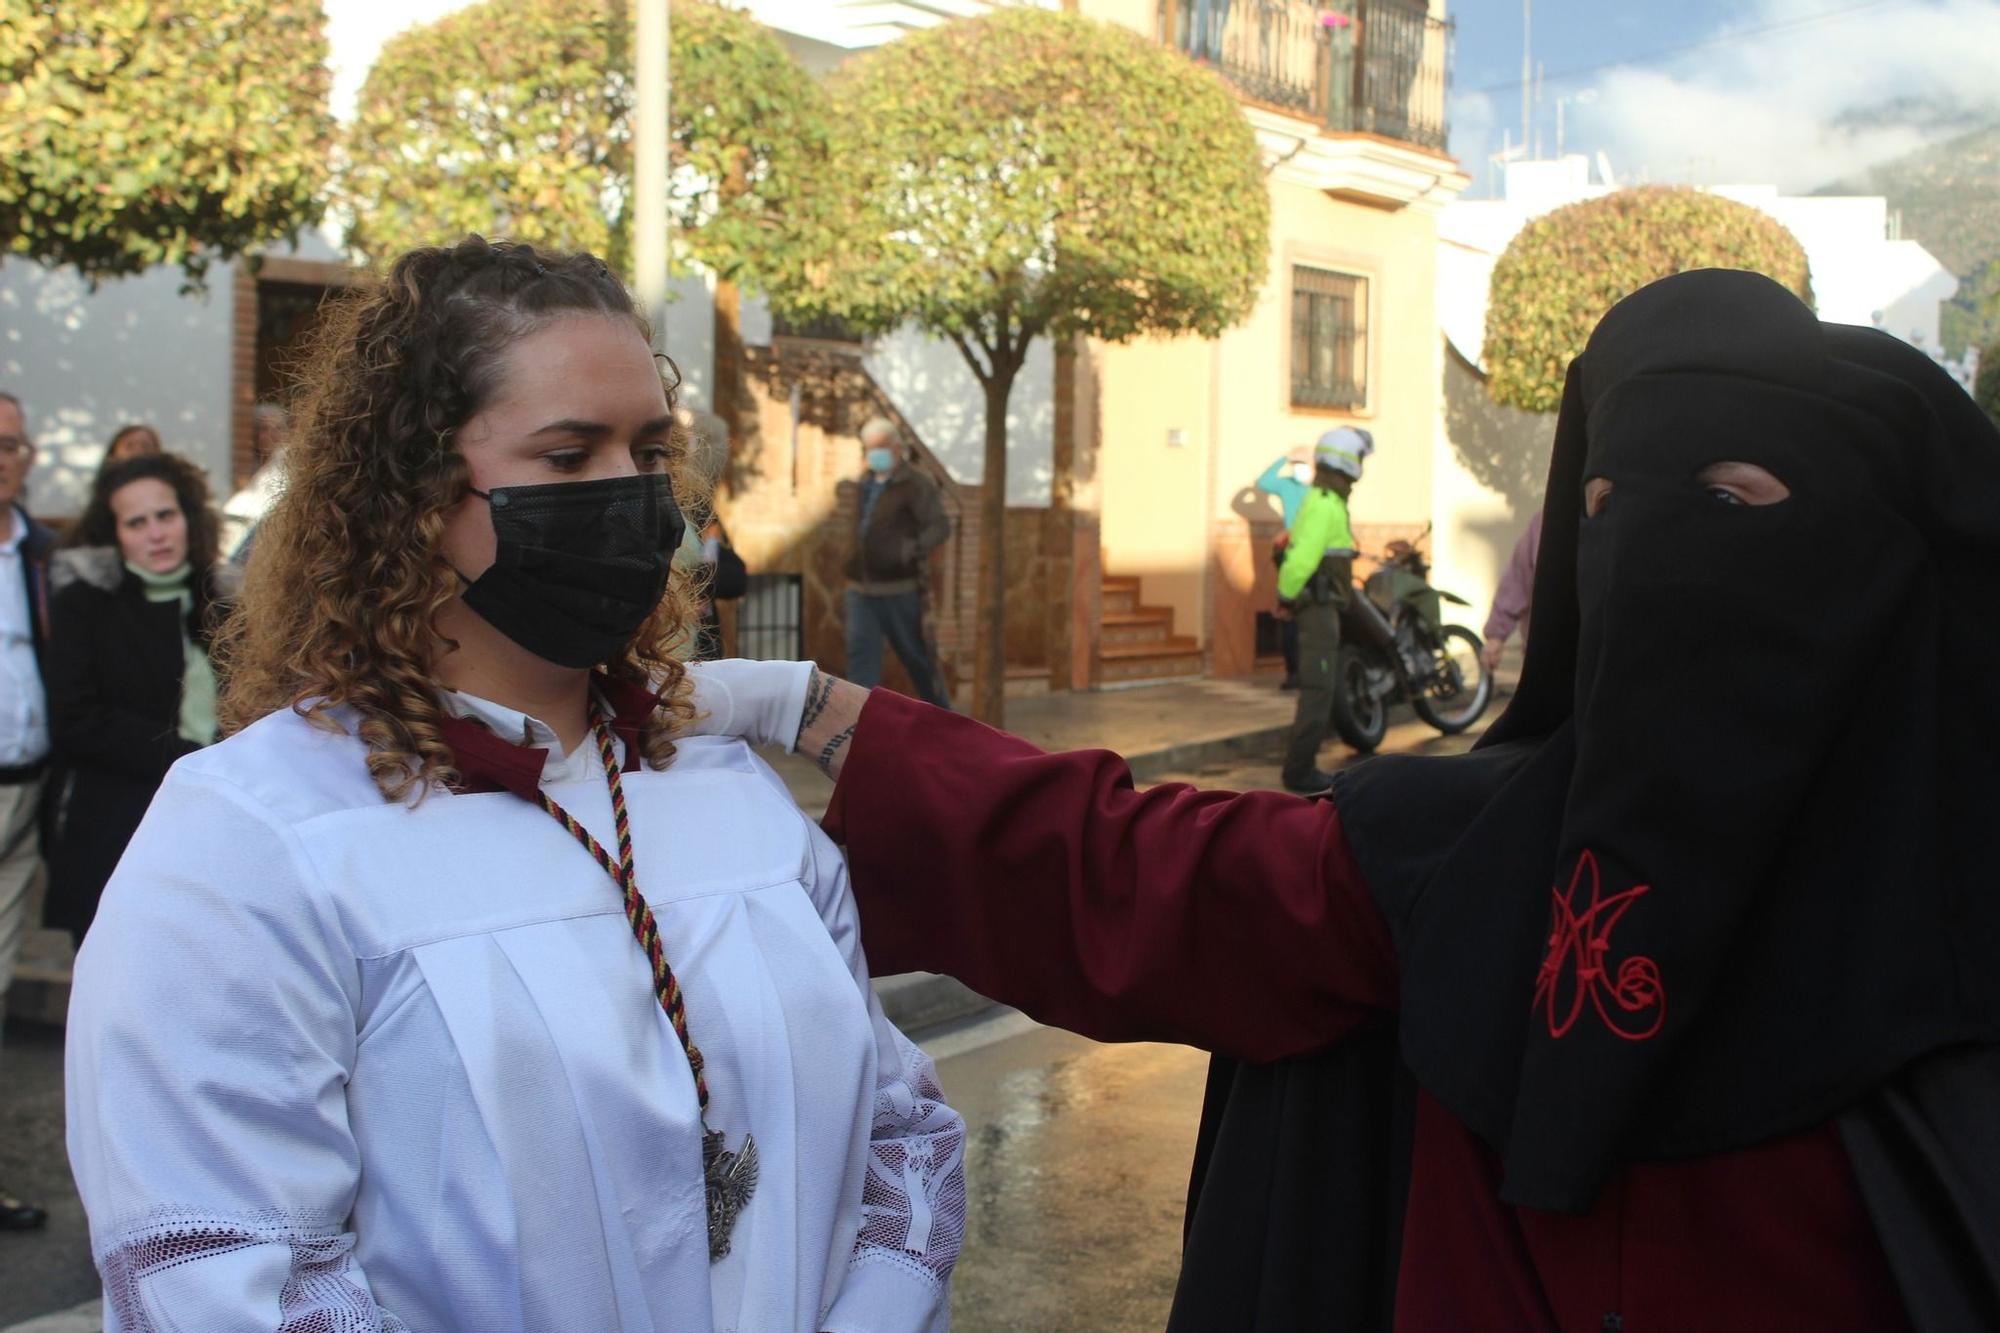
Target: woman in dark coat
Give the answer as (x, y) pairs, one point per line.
(130, 685)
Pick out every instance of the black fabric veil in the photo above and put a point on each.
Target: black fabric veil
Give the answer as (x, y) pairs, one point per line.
(1729, 865)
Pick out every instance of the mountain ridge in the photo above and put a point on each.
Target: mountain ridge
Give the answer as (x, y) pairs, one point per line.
(1948, 195)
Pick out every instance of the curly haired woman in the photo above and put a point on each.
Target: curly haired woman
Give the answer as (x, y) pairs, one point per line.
(451, 992)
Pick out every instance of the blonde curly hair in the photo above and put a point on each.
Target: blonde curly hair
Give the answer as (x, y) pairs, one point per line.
(339, 607)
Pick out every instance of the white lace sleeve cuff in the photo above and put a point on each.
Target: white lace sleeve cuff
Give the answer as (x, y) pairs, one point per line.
(912, 1208)
(882, 1294)
(184, 1268)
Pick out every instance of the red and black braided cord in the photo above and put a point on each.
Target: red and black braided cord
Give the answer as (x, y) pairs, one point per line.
(637, 914)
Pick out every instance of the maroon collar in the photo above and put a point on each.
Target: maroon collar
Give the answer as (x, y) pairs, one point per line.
(486, 762)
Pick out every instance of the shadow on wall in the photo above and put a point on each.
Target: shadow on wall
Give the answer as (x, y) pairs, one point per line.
(86, 362)
(1498, 536)
(1504, 448)
(1256, 508)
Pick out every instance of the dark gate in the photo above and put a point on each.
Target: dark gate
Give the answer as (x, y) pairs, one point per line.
(770, 620)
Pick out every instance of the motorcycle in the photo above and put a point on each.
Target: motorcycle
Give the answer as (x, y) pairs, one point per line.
(1395, 647)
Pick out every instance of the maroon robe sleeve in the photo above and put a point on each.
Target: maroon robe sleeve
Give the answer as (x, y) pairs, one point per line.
(1236, 923)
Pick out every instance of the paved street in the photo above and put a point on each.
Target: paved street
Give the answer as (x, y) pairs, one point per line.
(48, 1269)
(1076, 1175)
(1078, 1165)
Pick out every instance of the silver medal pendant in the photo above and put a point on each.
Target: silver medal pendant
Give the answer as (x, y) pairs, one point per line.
(731, 1179)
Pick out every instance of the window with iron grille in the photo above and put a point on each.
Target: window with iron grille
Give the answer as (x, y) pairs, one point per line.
(1329, 338)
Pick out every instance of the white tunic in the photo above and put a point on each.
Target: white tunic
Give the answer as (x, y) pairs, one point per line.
(340, 1064)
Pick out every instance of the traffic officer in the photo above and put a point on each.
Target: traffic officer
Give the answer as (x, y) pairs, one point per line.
(1314, 584)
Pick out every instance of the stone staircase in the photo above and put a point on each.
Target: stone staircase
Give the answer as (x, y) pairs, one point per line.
(1137, 643)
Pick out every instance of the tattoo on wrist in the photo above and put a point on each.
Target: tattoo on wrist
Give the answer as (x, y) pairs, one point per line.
(831, 751)
(819, 692)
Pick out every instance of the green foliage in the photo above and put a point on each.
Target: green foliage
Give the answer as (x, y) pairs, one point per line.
(1971, 318)
(514, 118)
(749, 124)
(1986, 383)
(135, 133)
(1566, 268)
(1031, 172)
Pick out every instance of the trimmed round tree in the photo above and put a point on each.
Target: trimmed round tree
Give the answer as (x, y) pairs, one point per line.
(1566, 268)
(1022, 174)
(513, 118)
(139, 134)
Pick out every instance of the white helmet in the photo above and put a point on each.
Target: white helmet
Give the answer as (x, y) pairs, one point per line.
(1343, 448)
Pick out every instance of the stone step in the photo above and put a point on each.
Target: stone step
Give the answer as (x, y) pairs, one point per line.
(1175, 658)
(1173, 644)
(1149, 671)
(1148, 624)
(1136, 643)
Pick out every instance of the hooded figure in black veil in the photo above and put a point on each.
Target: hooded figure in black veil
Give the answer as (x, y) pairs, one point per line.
(1728, 869)
(1671, 1008)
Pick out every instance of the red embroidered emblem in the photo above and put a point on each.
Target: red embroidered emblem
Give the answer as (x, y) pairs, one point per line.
(1573, 971)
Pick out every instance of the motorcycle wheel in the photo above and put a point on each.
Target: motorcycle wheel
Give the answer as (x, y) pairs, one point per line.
(1360, 719)
(1458, 689)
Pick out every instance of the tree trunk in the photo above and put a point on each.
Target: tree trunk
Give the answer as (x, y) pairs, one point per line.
(989, 663)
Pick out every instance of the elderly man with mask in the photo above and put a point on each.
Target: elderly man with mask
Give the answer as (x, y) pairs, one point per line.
(899, 520)
(1670, 1006)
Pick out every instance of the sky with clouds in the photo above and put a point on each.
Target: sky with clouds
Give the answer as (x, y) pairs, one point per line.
(1799, 93)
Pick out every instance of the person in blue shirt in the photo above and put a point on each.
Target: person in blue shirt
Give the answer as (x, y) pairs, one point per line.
(1288, 478)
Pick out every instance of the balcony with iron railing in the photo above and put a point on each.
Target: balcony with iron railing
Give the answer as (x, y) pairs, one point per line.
(1356, 66)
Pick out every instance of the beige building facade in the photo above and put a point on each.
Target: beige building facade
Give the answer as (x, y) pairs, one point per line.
(1348, 104)
(1145, 554)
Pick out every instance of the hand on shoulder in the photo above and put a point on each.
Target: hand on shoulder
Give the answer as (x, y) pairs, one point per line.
(762, 703)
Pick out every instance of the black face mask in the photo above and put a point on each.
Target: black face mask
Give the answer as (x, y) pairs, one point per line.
(579, 565)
